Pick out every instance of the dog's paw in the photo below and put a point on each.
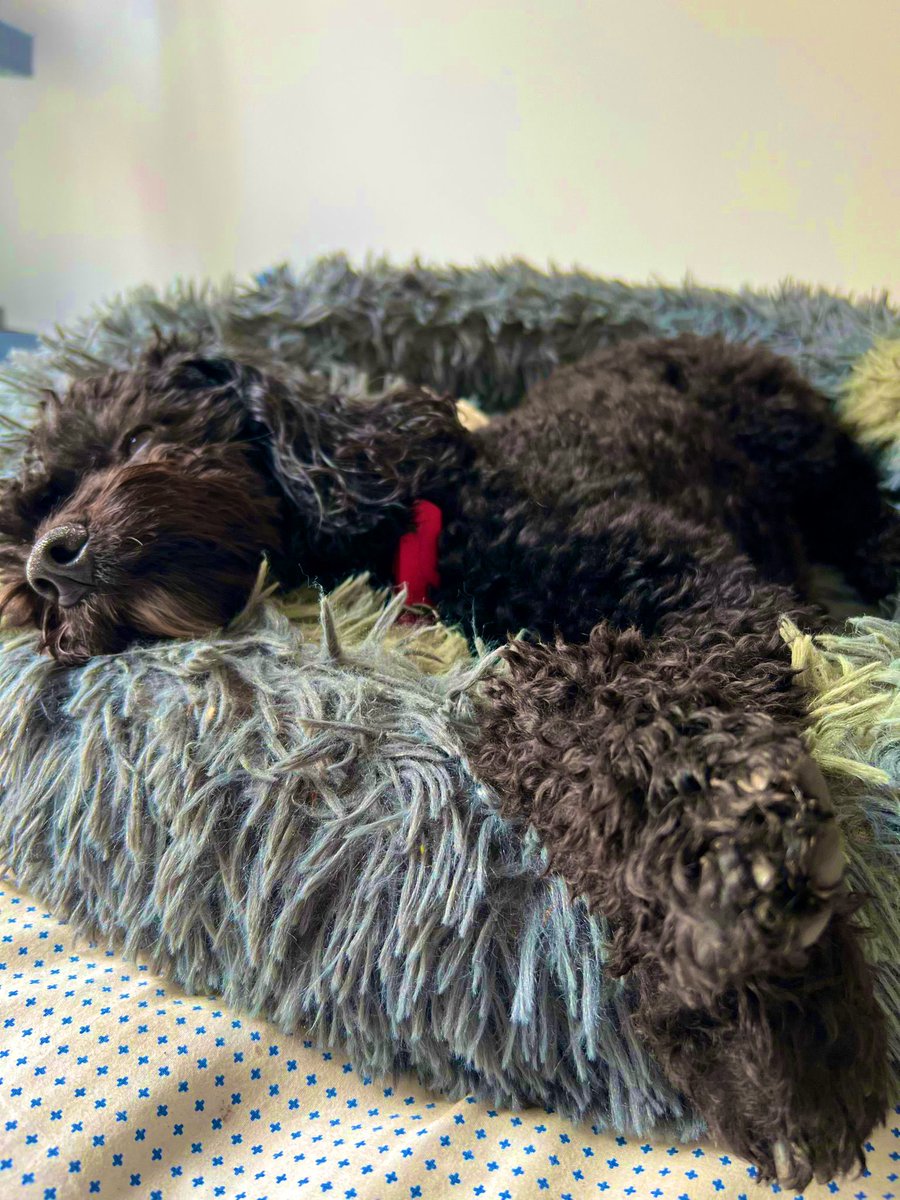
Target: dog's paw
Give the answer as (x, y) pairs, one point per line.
(778, 863)
(768, 875)
(794, 1160)
(788, 1071)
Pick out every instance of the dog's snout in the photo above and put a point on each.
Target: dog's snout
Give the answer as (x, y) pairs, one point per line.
(60, 566)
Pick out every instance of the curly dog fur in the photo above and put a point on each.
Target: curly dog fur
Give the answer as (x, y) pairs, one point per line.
(646, 516)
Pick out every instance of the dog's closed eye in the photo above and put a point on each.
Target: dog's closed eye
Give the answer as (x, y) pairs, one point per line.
(135, 439)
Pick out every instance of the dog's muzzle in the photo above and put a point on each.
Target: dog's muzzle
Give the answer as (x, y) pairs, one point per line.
(60, 567)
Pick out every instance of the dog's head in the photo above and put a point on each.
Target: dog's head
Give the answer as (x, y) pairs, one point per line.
(148, 498)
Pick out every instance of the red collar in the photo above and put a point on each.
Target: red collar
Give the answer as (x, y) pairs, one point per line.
(416, 560)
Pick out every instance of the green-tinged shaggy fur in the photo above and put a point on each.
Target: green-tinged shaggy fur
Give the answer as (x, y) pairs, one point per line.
(870, 400)
(853, 681)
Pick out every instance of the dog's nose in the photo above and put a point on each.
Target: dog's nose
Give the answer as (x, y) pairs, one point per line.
(60, 567)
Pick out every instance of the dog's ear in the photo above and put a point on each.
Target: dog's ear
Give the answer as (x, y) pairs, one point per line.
(181, 359)
(345, 464)
(206, 373)
(348, 464)
(212, 389)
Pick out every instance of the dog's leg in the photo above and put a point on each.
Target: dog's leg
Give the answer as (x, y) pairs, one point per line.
(809, 465)
(847, 521)
(787, 1070)
(678, 797)
(813, 477)
(667, 776)
(823, 480)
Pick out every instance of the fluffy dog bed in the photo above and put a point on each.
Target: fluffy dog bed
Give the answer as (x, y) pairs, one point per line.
(284, 814)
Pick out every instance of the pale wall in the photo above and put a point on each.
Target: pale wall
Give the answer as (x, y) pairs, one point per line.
(737, 141)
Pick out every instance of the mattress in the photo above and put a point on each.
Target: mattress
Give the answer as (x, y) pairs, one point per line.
(115, 1083)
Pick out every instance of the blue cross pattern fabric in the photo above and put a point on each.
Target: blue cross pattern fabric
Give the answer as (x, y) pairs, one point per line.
(116, 1084)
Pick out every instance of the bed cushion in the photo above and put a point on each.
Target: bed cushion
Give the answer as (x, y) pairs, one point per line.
(283, 813)
(284, 816)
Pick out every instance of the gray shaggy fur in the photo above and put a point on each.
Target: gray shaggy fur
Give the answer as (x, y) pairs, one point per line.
(94, 818)
(298, 831)
(487, 333)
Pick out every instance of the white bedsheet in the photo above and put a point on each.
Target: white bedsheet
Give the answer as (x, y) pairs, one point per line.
(114, 1083)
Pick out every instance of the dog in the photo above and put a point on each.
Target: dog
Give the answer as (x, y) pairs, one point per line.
(644, 519)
